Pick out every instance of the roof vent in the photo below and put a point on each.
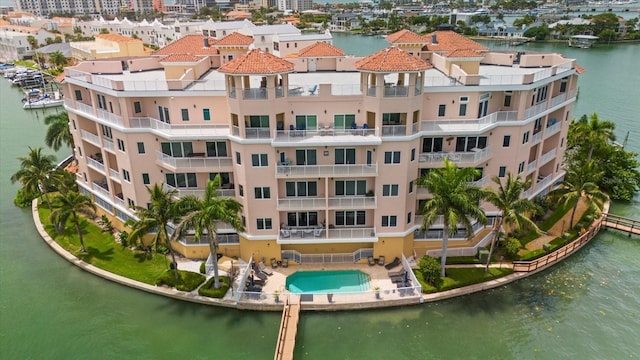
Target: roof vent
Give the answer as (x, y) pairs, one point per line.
(434, 39)
(206, 42)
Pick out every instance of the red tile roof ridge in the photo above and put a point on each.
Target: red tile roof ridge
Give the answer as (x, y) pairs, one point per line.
(257, 62)
(320, 49)
(392, 59)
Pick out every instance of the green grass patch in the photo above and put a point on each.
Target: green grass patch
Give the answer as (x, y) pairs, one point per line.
(532, 254)
(186, 281)
(26, 63)
(527, 238)
(208, 290)
(557, 214)
(459, 277)
(457, 260)
(104, 253)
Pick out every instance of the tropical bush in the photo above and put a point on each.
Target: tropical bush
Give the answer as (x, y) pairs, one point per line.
(511, 246)
(208, 290)
(430, 270)
(186, 281)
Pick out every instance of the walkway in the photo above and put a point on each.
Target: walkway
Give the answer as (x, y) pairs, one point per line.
(288, 329)
(630, 226)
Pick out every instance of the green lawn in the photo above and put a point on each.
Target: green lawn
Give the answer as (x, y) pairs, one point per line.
(557, 214)
(459, 277)
(105, 253)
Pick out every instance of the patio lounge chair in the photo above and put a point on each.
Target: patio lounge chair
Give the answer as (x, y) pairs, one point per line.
(372, 261)
(274, 263)
(259, 274)
(392, 264)
(398, 273)
(263, 268)
(381, 260)
(285, 262)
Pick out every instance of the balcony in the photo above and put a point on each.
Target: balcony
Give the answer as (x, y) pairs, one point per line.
(553, 129)
(352, 202)
(323, 236)
(558, 100)
(326, 134)
(320, 203)
(95, 164)
(472, 157)
(109, 117)
(170, 131)
(537, 137)
(535, 110)
(120, 201)
(254, 94)
(101, 114)
(532, 166)
(108, 144)
(114, 174)
(199, 193)
(102, 189)
(302, 203)
(193, 162)
(546, 157)
(478, 124)
(394, 130)
(396, 91)
(90, 137)
(347, 170)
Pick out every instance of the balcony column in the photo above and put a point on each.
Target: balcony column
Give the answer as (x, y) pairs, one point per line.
(326, 206)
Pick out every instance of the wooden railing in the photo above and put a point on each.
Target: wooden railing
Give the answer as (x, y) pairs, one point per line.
(630, 226)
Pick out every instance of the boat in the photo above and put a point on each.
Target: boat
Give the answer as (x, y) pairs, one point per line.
(582, 41)
(44, 101)
(32, 95)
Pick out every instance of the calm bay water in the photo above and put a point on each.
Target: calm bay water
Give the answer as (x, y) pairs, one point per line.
(587, 307)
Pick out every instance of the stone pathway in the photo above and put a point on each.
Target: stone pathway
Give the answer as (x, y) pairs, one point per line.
(556, 230)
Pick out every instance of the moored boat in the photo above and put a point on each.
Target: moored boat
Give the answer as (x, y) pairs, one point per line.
(44, 101)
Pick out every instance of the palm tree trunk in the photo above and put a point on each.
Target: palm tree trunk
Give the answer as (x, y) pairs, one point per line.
(174, 264)
(213, 248)
(493, 242)
(445, 244)
(573, 213)
(76, 221)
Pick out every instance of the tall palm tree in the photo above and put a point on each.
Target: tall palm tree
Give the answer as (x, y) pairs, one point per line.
(58, 132)
(453, 197)
(57, 59)
(580, 184)
(34, 173)
(203, 214)
(596, 132)
(155, 219)
(513, 209)
(67, 206)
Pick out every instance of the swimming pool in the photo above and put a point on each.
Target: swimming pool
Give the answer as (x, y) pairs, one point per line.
(323, 282)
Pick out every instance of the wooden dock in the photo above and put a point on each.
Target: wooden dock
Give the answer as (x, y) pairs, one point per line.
(288, 329)
(630, 226)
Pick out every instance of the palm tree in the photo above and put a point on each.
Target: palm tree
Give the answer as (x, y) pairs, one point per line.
(594, 132)
(453, 197)
(155, 219)
(68, 206)
(34, 173)
(58, 132)
(580, 184)
(57, 59)
(513, 208)
(203, 214)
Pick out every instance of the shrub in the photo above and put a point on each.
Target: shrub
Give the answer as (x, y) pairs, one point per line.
(124, 238)
(208, 290)
(186, 281)
(452, 260)
(23, 199)
(511, 246)
(430, 269)
(203, 267)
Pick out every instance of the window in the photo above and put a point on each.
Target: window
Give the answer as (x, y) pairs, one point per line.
(303, 218)
(259, 160)
(79, 151)
(344, 121)
(441, 109)
(126, 175)
(301, 188)
(306, 122)
(563, 85)
(182, 180)
(390, 190)
(409, 218)
(540, 94)
(141, 148)
(502, 171)
(391, 118)
(264, 223)
(241, 190)
(258, 121)
(206, 114)
(145, 179)
(106, 132)
(345, 156)
(137, 107)
(413, 154)
(224, 177)
(262, 192)
(350, 187)
(431, 145)
(306, 157)
(102, 102)
(520, 167)
(78, 95)
(389, 221)
(177, 148)
(73, 122)
(464, 100)
(507, 98)
(216, 149)
(562, 142)
(350, 218)
(131, 203)
(506, 141)
(121, 145)
(525, 137)
(411, 184)
(238, 158)
(467, 144)
(392, 157)
(163, 113)
(185, 114)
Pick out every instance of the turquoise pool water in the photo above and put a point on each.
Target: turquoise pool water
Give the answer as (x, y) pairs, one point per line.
(322, 282)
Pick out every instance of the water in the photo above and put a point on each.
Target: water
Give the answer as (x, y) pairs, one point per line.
(587, 307)
(339, 281)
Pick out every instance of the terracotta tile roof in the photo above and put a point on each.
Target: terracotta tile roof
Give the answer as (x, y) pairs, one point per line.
(59, 79)
(189, 44)
(320, 49)
(449, 40)
(181, 58)
(580, 69)
(235, 38)
(405, 37)
(257, 61)
(391, 59)
(117, 38)
(462, 53)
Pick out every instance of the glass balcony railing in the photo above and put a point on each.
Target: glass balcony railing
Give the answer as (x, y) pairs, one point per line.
(472, 157)
(307, 235)
(332, 203)
(193, 162)
(347, 170)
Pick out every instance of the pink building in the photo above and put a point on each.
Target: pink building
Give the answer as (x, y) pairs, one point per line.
(322, 149)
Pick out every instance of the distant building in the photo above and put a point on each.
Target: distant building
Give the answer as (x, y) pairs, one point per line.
(108, 46)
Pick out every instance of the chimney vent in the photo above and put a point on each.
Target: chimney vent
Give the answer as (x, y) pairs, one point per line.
(206, 42)
(434, 39)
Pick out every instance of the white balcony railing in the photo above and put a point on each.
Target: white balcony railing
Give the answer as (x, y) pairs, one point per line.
(322, 235)
(557, 100)
(352, 202)
(348, 170)
(535, 110)
(254, 94)
(100, 190)
(108, 144)
(120, 202)
(468, 124)
(109, 117)
(182, 192)
(552, 129)
(456, 157)
(536, 138)
(193, 162)
(396, 91)
(532, 166)
(95, 164)
(178, 130)
(394, 130)
(548, 156)
(115, 175)
(302, 203)
(92, 138)
(322, 133)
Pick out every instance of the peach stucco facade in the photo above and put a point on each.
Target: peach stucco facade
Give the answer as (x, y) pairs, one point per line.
(324, 160)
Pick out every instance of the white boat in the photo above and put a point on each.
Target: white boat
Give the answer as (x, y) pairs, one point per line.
(45, 101)
(582, 41)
